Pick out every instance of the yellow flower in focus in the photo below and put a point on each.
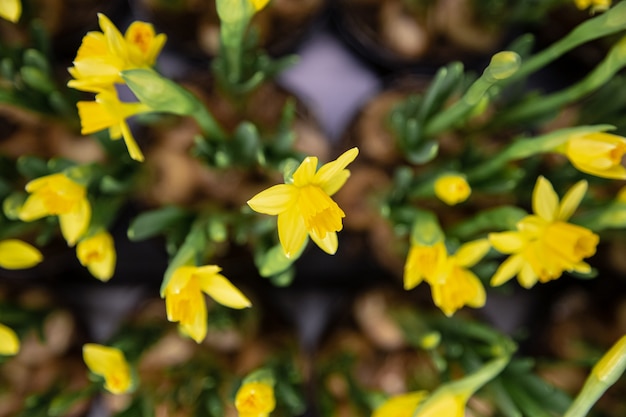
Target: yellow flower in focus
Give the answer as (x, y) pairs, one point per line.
(103, 55)
(424, 262)
(11, 10)
(457, 286)
(452, 189)
(9, 342)
(545, 244)
(108, 112)
(109, 363)
(15, 254)
(97, 253)
(402, 405)
(305, 207)
(595, 5)
(185, 302)
(598, 154)
(255, 399)
(58, 195)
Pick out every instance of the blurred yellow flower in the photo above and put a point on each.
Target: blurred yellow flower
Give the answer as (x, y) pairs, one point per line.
(456, 286)
(58, 195)
(259, 4)
(11, 10)
(97, 253)
(545, 244)
(424, 262)
(255, 399)
(452, 189)
(402, 405)
(305, 207)
(103, 55)
(185, 302)
(9, 342)
(16, 254)
(595, 5)
(108, 112)
(598, 154)
(109, 363)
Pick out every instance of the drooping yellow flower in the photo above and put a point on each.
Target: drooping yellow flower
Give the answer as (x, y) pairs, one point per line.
(305, 207)
(58, 195)
(11, 10)
(595, 5)
(9, 342)
(424, 262)
(97, 253)
(545, 244)
(255, 399)
(109, 363)
(16, 254)
(457, 286)
(185, 302)
(402, 405)
(108, 112)
(103, 55)
(452, 189)
(598, 154)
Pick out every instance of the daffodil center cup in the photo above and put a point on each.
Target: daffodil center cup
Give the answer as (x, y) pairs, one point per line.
(321, 214)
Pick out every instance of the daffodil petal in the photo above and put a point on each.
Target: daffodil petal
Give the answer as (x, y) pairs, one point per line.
(16, 254)
(472, 252)
(507, 270)
(292, 232)
(305, 173)
(11, 10)
(325, 177)
(477, 295)
(274, 200)
(527, 277)
(328, 244)
(197, 327)
(9, 342)
(223, 291)
(33, 208)
(571, 200)
(507, 242)
(109, 363)
(133, 149)
(75, 224)
(545, 200)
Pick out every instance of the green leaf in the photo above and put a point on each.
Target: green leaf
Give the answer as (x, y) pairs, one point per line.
(12, 204)
(63, 402)
(37, 80)
(274, 262)
(152, 223)
(32, 167)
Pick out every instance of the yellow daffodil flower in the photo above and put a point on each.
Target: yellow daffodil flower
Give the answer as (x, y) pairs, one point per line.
(109, 363)
(185, 302)
(457, 286)
(108, 112)
(305, 207)
(58, 195)
(11, 10)
(97, 253)
(402, 405)
(424, 262)
(452, 189)
(598, 154)
(545, 244)
(255, 399)
(595, 5)
(259, 4)
(103, 55)
(16, 254)
(9, 342)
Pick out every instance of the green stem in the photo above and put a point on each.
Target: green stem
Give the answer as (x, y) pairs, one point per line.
(211, 129)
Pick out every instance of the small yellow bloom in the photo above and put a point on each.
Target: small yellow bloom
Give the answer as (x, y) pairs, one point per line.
(402, 405)
(103, 55)
(305, 207)
(11, 10)
(97, 253)
(424, 262)
(452, 189)
(108, 112)
(545, 244)
(9, 342)
(185, 302)
(456, 286)
(598, 154)
(15, 254)
(109, 363)
(595, 5)
(255, 399)
(58, 195)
